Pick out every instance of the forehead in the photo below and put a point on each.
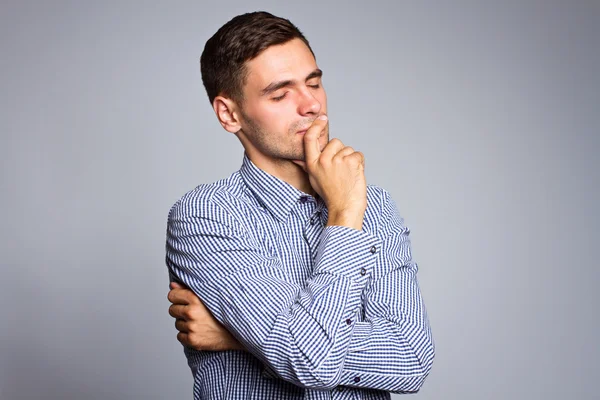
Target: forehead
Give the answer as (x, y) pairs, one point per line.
(292, 60)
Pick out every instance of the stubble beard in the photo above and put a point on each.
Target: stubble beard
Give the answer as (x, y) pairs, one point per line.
(285, 148)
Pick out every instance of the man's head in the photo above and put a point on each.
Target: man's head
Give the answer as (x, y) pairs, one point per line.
(262, 79)
(223, 61)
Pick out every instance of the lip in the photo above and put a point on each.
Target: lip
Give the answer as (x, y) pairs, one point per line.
(302, 132)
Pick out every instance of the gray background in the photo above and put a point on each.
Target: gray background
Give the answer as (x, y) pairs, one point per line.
(481, 119)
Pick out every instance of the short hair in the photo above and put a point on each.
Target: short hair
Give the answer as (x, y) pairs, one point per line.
(223, 61)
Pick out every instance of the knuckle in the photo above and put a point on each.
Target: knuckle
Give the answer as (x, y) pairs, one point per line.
(355, 159)
(336, 143)
(193, 299)
(193, 342)
(181, 337)
(187, 313)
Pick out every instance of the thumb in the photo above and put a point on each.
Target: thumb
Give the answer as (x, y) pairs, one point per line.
(312, 151)
(175, 285)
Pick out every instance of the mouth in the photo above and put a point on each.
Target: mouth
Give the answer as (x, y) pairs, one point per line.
(302, 132)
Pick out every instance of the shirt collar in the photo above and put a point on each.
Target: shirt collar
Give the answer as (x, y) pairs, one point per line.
(274, 194)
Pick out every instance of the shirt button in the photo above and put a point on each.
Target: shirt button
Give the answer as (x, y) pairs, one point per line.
(303, 199)
(363, 271)
(357, 379)
(349, 321)
(373, 249)
(340, 388)
(313, 220)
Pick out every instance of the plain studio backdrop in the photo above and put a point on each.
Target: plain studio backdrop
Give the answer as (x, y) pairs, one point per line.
(481, 119)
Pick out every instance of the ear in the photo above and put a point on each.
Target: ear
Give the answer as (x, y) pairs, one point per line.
(226, 111)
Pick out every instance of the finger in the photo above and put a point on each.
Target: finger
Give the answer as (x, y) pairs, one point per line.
(346, 151)
(311, 139)
(178, 311)
(176, 285)
(362, 157)
(358, 157)
(332, 148)
(182, 326)
(183, 339)
(182, 296)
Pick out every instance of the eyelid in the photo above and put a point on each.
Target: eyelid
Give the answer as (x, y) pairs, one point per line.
(277, 98)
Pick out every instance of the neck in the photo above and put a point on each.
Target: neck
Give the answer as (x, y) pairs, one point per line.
(292, 172)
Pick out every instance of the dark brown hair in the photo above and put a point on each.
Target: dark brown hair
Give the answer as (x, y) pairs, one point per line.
(223, 61)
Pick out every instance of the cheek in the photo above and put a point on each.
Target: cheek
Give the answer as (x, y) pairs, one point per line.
(276, 124)
(278, 118)
(266, 116)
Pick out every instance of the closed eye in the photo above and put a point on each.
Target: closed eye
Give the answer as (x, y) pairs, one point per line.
(278, 98)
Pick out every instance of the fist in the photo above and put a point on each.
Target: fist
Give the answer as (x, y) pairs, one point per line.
(197, 327)
(337, 174)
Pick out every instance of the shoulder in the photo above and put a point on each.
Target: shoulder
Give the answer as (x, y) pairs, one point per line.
(215, 201)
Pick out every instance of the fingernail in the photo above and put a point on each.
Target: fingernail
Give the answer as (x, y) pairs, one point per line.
(323, 117)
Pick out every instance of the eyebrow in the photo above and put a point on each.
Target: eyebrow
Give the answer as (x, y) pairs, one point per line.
(274, 86)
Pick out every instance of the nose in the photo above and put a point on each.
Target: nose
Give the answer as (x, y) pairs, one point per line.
(308, 104)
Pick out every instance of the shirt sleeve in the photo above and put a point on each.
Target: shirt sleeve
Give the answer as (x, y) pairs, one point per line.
(392, 347)
(300, 332)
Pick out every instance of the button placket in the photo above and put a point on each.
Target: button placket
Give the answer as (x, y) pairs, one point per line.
(311, 230)
(315, 218)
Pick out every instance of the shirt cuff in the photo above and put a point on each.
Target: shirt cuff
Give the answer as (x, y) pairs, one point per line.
(360, 335)
(347, 251)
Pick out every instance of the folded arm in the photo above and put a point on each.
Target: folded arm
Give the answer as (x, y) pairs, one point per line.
(311, 335)
(299, 332)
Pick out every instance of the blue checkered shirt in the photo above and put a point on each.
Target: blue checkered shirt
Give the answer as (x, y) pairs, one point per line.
(324, 312)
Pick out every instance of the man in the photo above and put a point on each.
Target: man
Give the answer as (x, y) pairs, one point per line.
(301, 276)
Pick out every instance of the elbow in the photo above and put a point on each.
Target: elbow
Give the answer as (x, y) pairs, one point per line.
(422, 367)
(325, 377)
(417, 381)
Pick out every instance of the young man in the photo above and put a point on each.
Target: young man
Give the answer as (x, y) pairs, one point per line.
(301, 276)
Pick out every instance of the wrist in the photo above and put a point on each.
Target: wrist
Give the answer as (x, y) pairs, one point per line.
(348, 218)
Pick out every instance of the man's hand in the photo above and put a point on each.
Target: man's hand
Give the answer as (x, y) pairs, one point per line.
(337, 174)
(198, 329)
